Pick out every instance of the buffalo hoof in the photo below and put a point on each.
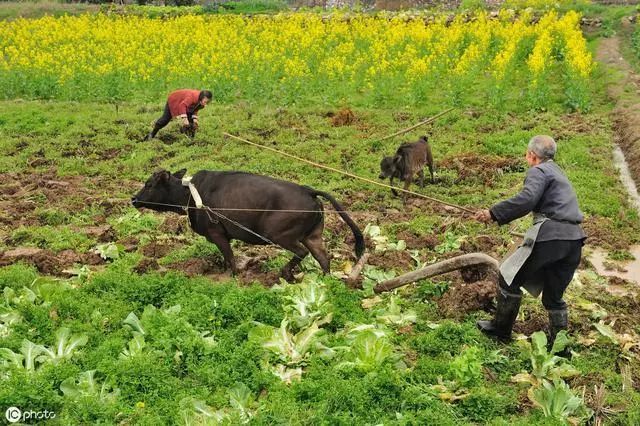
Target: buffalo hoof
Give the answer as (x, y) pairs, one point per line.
(287, 275)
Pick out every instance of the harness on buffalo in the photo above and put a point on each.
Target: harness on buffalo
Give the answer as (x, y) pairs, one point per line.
(186, 181)
(193, 193)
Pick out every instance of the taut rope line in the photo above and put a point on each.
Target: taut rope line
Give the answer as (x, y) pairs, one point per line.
(333, 169)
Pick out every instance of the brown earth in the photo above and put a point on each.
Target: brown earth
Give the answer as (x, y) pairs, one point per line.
(533, 321)
(415, 241)
(391, 259)
(472, 274)
(197, 266)
(146, 265)
(157, 250)
(48, 262)
(461, 299)
(103, 233)
(344, 117)
(22, 193)
(488, 244)
(174, 224)
(473, 167)
(601, 231)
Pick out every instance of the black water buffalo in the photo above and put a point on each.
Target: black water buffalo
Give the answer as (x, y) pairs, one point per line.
(409, 160)
(264, 207)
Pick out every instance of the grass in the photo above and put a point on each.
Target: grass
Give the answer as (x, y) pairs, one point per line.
(37, 9)
(96, 151)
(10, 10)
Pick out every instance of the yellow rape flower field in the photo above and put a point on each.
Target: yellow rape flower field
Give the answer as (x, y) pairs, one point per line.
(276, 56)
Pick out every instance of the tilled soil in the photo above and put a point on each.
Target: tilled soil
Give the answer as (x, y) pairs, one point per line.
(48, 262)
(472, 167)
(22, 193)
(461, 299)
(391, 259)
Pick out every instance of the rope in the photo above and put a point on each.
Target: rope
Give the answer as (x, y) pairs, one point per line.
(322, 166)
(209, 210)
(422, 123)
(231, 209)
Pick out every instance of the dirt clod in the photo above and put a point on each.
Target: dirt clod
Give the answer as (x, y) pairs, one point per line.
(146, 265)
(198, 266)
(156, 250)
(344, 117)
(473, 167)
(471, 274)
(482, 243)
(398, 260)
(174, 225)
(464, 298)
(102, 233)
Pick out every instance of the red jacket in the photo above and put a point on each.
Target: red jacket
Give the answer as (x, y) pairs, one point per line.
(182, 100)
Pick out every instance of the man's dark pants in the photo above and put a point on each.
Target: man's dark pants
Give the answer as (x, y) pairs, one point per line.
(551, 262)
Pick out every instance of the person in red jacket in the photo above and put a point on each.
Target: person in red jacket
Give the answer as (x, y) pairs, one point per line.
(182, 104)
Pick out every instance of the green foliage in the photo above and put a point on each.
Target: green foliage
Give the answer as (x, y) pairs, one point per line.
(291, 351)
(48, 237)
(545, 365)
(451, 242)
(393, 314)
(381, 241)
(485, 403)
(53, 217)
(448, 338)
(472, 5)
(308, 302)
(374, 276)
(65, 347)
(17, 276)
(556, 400)
(620, 255)
(175, 8)
(134, 222)
(32, 355)
(108, 251)
(466, 368)
(88, 387)
(8, 318)
(369, 350)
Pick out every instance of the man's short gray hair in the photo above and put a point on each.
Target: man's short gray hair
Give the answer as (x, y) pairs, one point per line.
(544, 147)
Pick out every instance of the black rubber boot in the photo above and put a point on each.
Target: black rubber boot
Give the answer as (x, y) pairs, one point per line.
(558, 321)
(152, 134)
(500, 327)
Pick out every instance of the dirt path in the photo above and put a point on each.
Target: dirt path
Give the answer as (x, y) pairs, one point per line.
(625, 91)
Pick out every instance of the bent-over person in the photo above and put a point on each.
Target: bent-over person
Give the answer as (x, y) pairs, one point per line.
(552, 247)
(182, 104)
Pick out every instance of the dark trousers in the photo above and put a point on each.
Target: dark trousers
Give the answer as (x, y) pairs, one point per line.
(162, 121)
(552, 262)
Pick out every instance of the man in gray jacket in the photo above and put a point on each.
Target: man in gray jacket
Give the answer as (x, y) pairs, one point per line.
(552, 247)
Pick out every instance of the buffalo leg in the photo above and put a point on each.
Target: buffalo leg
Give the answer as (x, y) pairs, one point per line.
(316, 246)
(299, 253)
(421, 176)
(224, 246)
(407, 182)
(393, 191)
